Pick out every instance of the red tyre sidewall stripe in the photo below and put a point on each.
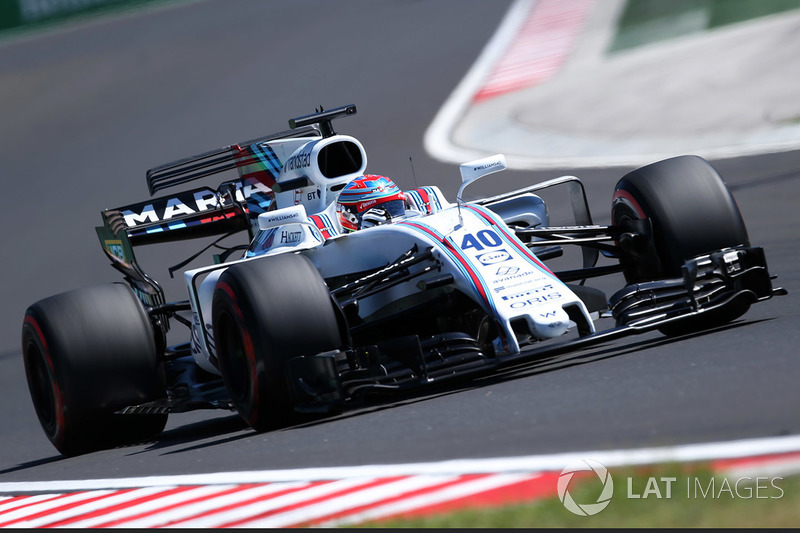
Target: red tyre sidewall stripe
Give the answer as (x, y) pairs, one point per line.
(249, 349)
(627, 198)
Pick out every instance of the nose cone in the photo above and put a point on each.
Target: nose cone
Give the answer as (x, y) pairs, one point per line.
(549, 323)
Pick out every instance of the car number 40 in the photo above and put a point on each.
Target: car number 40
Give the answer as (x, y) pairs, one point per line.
(483, 239)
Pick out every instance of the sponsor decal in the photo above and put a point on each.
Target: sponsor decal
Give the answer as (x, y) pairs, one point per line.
(364, 205)
(509, 237)
(487, 165)
(534, 292)
(115, 248)
(288, 237)
(298, 161)
(490, 258)
(187, 203)
(531, 292)
(282, 217)
(516, 276)
(506, 271)
(536, 300)
(526, 282)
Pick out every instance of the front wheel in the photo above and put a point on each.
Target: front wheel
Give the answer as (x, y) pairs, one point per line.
(88, 353)
(265, 312)
(690, 212)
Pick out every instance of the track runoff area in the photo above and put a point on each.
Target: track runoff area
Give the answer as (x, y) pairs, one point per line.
(342, 496)
(349, 495)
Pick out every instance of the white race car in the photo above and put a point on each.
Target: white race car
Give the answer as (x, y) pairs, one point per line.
(309, 317)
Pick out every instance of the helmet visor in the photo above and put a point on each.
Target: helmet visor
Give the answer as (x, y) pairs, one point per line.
(395, 208)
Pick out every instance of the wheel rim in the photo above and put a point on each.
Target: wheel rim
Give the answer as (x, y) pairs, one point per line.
(42, 389)
(235, 365)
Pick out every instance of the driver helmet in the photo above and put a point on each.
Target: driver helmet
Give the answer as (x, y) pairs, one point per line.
(369, 200)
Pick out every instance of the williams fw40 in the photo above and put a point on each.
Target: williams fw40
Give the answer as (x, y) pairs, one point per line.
(300, 316)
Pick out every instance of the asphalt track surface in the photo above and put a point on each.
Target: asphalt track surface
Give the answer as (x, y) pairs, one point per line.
(85, 111)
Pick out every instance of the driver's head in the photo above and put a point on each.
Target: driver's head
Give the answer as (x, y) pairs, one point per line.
(369, 200)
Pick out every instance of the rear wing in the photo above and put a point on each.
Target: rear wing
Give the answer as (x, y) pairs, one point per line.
(203, 212)
(216, 161)
(198, 212)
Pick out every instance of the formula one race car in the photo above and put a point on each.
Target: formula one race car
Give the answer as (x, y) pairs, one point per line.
(307, 317)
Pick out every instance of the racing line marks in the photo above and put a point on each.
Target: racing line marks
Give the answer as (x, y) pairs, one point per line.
(539, 48)
(270, 505)
(530, 45)
(341, 496)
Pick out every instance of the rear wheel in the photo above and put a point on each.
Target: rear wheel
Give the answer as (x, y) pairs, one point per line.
(265, 312)
(691, 212)
(87, 354)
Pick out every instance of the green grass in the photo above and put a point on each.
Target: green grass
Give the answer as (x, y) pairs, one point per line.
(51, 13)
(691, 504)
(646, 21)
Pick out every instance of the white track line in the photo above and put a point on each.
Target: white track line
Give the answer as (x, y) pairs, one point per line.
(533, 463)
(437, 137)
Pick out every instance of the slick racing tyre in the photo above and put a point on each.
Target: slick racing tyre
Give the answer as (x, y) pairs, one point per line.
(87, 354)
(265, 312)
(691, 212)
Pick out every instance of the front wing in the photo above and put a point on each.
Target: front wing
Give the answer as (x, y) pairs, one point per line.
(715, 288)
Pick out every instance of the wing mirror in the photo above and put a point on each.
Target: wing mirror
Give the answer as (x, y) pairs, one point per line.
(474, 170)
